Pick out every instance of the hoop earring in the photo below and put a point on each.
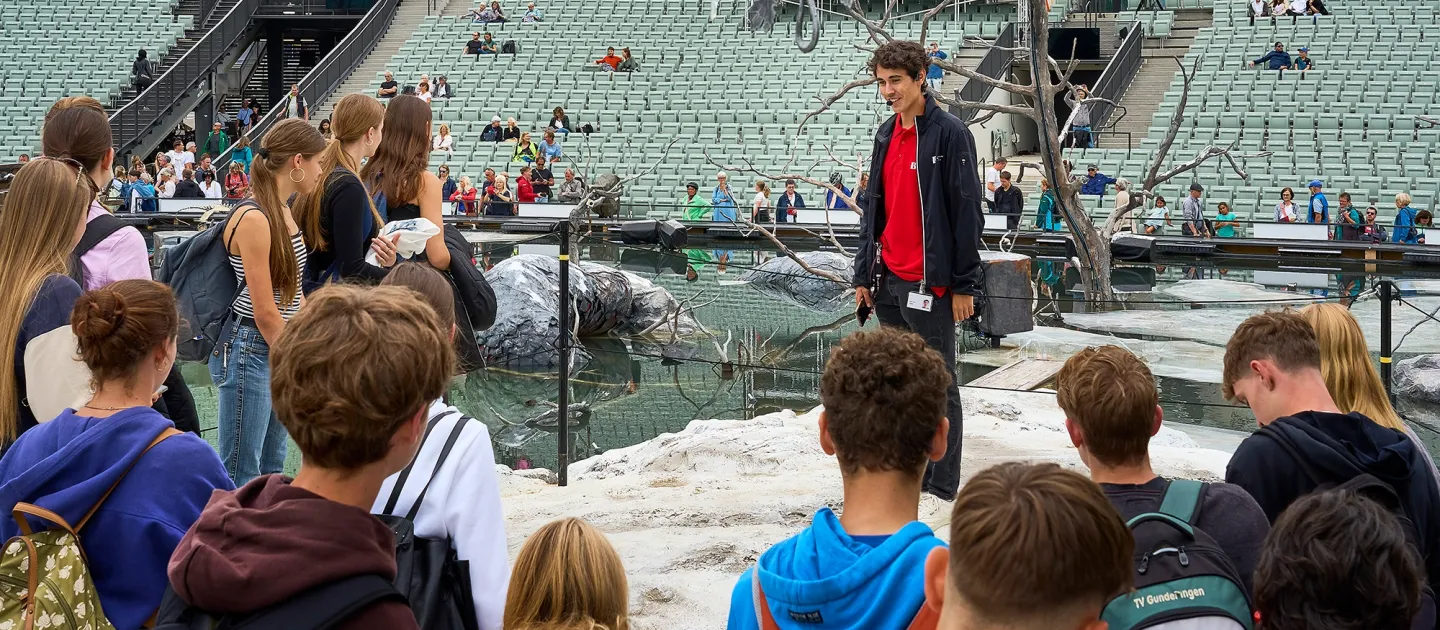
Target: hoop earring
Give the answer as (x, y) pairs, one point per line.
(292, 176)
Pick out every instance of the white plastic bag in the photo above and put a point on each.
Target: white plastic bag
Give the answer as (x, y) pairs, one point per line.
(413, 235)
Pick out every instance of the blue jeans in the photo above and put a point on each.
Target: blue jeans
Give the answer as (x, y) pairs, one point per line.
(252, 441)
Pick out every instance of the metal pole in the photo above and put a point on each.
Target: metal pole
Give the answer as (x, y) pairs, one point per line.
(564, 348)
(1386, 294)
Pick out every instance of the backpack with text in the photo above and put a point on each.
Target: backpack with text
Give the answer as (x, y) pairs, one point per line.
(198, 271)
(44, 581)
(1182, 577)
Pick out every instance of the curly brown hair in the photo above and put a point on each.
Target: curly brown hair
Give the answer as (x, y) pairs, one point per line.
(884, 397)
(899, 54)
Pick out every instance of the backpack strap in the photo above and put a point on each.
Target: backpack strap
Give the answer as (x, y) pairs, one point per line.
(440, 461)
(326, 607)
(96, 231)
(23, 509)
(1182, 499)
(244, 207)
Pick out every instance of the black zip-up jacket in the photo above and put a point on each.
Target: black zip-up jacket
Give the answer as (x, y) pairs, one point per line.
(1336, 448)
(950, 195)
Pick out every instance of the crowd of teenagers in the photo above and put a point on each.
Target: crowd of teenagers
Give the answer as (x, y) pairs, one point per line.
(1329, 516)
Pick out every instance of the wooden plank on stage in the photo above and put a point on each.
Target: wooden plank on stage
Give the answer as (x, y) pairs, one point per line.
(1021, 374)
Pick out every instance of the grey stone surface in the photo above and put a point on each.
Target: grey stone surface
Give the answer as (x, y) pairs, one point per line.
(1418, 378)
(783, 279)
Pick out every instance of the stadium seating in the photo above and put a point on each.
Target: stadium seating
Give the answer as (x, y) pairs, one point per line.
(1350, 123)
(64, 48)
(721, 90)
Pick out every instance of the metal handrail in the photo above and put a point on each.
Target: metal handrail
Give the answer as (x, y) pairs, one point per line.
(996, 65)
(326, 76)
(1113, 80)
(131, 122)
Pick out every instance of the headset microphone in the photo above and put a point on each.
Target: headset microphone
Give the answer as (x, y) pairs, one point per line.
(888, 103)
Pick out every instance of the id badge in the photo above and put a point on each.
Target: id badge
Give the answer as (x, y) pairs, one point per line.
(920, 300)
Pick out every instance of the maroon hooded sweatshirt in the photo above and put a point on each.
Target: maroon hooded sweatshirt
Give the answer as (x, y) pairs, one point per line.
(269, 541)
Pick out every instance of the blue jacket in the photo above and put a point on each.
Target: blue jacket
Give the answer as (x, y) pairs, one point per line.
(832, 581)
(65, 465)
(784, 201)
(1405, 231)
(834, 202)
(1096, 185)
(1277, 60)
(934, 71)
(723, 204)
(1318, 202)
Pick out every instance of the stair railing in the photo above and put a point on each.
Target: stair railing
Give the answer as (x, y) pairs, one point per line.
(1113, 82)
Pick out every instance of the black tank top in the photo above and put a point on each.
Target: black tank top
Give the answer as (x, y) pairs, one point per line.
(404, 212)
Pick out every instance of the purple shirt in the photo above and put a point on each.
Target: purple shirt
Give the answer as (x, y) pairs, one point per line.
(121, 256)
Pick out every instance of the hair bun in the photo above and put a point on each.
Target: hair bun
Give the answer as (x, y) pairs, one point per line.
(104, 314)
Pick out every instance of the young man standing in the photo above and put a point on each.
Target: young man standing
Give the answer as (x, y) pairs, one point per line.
(884, 419)
(1032, 547)
(918, 263)
(934, 74)
(1272, 365)
(992, 182)
(216, 142)
(353, 377)
(1111, 411)
(1009, 201)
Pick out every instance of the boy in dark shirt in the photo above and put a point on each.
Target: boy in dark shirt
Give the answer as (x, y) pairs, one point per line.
(541, 178)
(1111, 412)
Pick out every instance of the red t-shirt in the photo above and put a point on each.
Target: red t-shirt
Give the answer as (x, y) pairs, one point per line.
(902, 243)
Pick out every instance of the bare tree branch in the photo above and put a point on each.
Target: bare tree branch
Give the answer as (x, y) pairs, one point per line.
(925, 21)
(594, 195)
(1209, 152)
(825, 103)
(1175, 120)
(878, 34)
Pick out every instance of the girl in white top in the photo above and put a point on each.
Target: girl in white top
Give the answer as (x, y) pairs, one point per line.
(424, 92)
(462, 501)
(760, 209)
(443, 140)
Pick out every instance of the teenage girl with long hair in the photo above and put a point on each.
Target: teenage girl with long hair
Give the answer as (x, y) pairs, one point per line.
(1349, 374)
(340, 222)
(43, 219)
(268, 256)
(77, 128)
(398, 172)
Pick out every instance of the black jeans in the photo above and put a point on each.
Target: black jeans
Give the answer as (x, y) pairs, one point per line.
(942, 478)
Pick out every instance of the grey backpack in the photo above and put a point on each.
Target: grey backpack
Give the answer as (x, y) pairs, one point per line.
(198, 271)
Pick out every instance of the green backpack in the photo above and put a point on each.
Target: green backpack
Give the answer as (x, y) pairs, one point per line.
(44, 582)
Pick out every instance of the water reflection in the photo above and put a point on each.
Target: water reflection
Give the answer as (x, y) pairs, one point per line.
(765, 352)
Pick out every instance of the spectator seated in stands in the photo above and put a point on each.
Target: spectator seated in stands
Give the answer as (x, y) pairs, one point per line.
(525, 150)
(1405, 231)
(559, 121)
(1009, 201)
(1225, 221)
(1303, 60)
(442, 88)
(477, 46)
(491, 132)
(1423, 219)
(572, 189)
(1258, 8)
(465, 195)
(532, 14)
(1112, 409)
(487, 15)
(443, 141)
(1157, 218)
(1372, 231)
(511, 131)
(1279, 8)
(388, 88)
(550, 147)
(629, 64)
(610, 59)
(1276, 59)
(1095, 181)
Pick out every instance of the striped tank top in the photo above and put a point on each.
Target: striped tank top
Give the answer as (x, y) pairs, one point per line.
(245, 308)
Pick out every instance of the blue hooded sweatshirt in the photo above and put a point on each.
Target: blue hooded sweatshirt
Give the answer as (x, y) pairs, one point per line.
(822, 579)
(65, 465)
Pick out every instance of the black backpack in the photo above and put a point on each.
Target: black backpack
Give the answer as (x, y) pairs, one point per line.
(95, 231)
(198, 271)
(509, 47)
(1181, 574)
(428, 572)
(321, 608)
